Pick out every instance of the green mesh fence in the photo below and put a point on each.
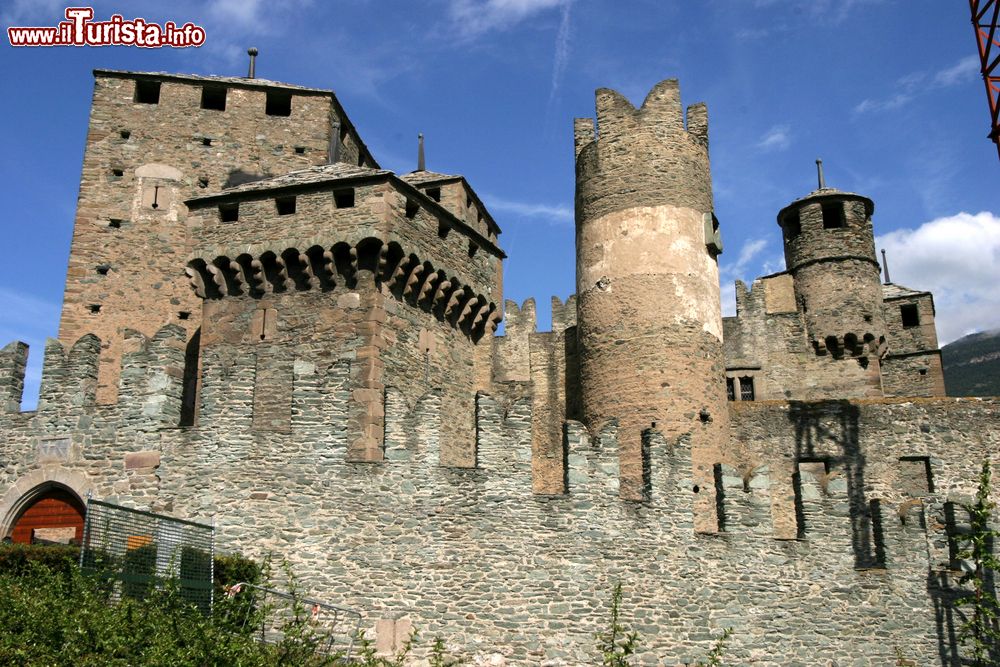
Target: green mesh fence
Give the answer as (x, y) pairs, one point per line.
(133, 552)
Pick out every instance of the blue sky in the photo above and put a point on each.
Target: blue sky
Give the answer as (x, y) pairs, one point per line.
(887, 92)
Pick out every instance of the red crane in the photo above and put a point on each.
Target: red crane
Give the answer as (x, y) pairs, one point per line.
(985, 15)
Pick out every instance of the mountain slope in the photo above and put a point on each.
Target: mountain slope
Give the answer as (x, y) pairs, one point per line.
(972, 365)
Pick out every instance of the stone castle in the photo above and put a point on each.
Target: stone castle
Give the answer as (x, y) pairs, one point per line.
(263, 327)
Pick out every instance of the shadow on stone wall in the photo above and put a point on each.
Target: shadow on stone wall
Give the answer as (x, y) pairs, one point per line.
(828, 432)
(945, 592)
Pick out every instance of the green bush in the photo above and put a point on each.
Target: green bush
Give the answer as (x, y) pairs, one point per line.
(16, 558)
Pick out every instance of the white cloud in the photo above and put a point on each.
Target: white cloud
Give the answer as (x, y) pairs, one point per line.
(474, 17)
(957, 258)
(964, 70)
(778, 138)
(35, 13)
(561, 51)
(558, 213)
(918, 83)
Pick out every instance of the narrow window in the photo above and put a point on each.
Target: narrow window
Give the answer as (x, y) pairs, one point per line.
(344, 198)
(833, 215)
(278, 104)
(472, 248)
(125, 134)
(411, 208)
(443, 229)
(793, 225)
(285, 205)
(213, 97)
(147, 92)
(731, 389)
(910, 315)
(300, 150)
(746, 389)
(229, 212)
(434, 193)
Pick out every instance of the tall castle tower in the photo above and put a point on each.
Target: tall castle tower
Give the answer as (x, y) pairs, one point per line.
(647, 276)
(154, 141)
(830, 252)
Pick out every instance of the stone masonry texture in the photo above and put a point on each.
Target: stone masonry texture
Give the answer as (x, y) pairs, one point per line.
(304, 352)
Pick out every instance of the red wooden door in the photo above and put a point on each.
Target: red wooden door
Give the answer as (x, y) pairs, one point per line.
(56, 508)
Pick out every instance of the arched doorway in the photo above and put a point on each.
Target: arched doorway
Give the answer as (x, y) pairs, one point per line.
(54, 515)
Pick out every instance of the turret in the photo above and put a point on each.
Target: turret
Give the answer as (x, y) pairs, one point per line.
(830, 252)
(648, 310)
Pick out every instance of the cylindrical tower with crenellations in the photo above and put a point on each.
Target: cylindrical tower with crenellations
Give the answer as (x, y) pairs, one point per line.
(649, 321)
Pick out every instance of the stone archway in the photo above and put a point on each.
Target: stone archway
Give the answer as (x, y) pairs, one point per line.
(55, 515)
(44, 505)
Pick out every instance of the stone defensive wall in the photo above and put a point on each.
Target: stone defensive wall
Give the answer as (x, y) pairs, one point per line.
(829, 541)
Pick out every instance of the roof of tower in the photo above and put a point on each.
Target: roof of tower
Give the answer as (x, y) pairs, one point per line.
(321, 174)
(232, 80)
(894, 291)
(422, 177)
(828, 193)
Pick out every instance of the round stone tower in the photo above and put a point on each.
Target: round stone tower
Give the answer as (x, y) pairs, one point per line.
(830, 252)
(649, 323)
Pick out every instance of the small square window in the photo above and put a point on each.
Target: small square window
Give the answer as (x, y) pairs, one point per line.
(214, 98)
(833, 215)
(434, 193)
(94, 308)
(285, 205)
(125, 134)
(147, 92)
(300, 150)
(792, 225)
(344, 198)
(103, 269)
(115, 223)
(206, 141)
(183, 315)
(909, 314)
(229, 212)
(278, 104)
(203, 182)
(117, 174)
(412, 208)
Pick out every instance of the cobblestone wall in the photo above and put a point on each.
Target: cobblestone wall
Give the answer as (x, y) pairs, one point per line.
(829, 545)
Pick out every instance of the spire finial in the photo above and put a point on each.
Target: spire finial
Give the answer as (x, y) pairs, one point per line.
(819, 174)
(421, 164)
(885, 267)
(252, 52)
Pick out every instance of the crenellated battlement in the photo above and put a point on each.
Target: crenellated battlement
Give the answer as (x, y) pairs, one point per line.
(649, 156)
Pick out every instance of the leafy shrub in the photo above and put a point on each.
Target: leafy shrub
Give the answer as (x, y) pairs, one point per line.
(16, 558)
(139, 571)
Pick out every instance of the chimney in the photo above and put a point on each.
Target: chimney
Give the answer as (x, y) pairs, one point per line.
(252, 52)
